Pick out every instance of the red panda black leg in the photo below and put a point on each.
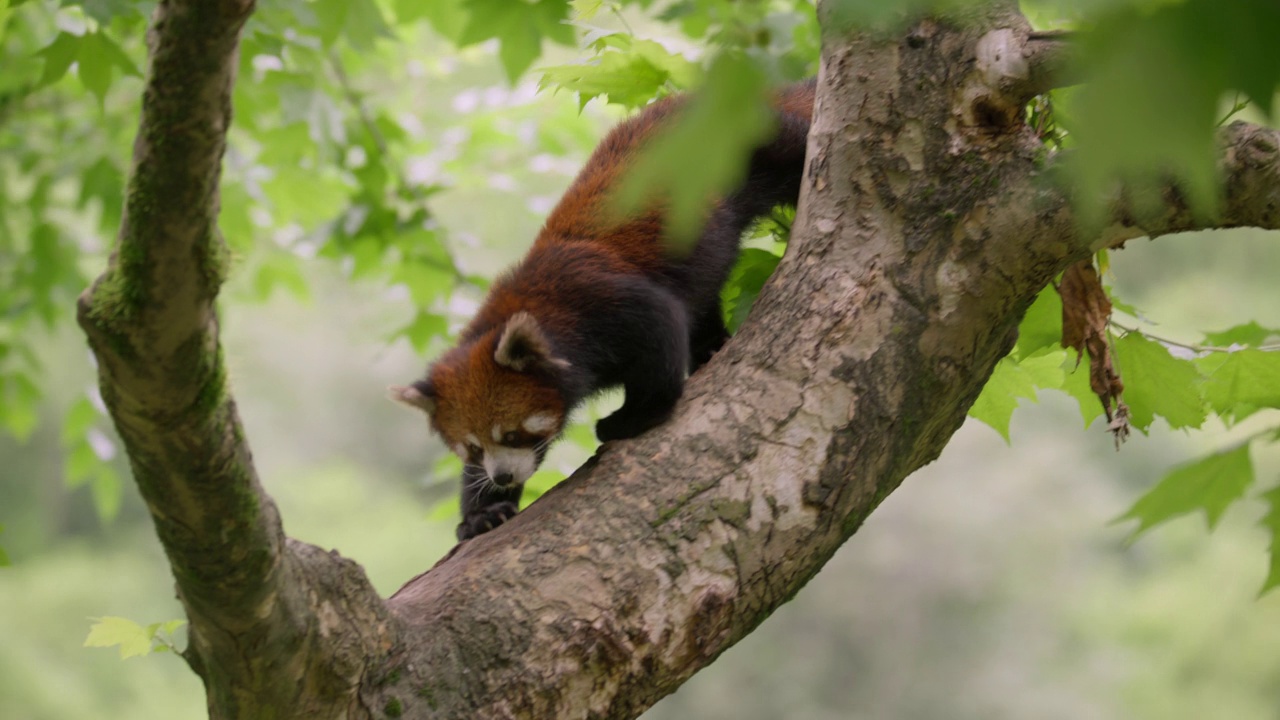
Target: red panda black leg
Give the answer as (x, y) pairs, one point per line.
(658, 340)
(709, 335)
(655, 398)
(486, 506)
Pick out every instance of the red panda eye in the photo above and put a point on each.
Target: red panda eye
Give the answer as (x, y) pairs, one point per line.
(474, 449)
(510, 438)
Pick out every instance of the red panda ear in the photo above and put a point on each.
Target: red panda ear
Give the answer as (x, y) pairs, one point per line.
(420, 395)
(523, 346)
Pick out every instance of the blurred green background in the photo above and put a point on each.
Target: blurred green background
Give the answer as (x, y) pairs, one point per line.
(991, 585)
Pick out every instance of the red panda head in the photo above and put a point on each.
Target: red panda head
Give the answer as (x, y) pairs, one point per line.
(495, 400)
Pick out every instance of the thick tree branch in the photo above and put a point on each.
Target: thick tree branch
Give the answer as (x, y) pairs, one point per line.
(1037, 209)
(151, 323)
(256, 605)
(918, 246)
(1019, 63)
(860, 359)
(1048, 58)
(1249, 167)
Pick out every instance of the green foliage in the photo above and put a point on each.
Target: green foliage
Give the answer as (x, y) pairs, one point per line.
(88, 454)
(762, 43)
(53, 203)
(1156, 383)
(1012, 380)
(133, 639)
(1157, 118)
(1210, 484)
(1180, 87)
(4, 557)
(1242, 381)
(706, 153)
(628, 71)
(1250, 333)
(749, 274)
(360, 22)
(861, 14)
(1041, 327)
(540, 482)
(19, 397)
(1231, 377)
(781, 35)
(1271, 523)
(519, 27)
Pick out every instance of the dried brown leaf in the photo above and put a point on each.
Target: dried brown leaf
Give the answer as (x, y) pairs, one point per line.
(1086, 310)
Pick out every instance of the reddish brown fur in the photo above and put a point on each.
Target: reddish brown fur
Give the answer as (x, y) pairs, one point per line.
(609, 300)
(476, 392)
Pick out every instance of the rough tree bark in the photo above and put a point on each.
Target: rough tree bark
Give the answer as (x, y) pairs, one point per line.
(925, 230)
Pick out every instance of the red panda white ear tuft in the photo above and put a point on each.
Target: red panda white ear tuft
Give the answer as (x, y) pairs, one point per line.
(419, 395)
(523, 346)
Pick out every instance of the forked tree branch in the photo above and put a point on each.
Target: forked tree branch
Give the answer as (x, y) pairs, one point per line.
(919, 243)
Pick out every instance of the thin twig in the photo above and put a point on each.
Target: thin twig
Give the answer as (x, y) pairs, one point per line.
(1236, 106)
(1190, 346)
(349, 92)
(617, 12)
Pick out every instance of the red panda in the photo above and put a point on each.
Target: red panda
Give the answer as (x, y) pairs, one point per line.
(596, 304)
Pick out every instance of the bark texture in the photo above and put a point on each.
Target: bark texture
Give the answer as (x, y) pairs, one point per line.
(925, 229)
(264, 613)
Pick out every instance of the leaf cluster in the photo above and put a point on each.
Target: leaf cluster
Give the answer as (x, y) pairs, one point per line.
(1160, 77)
(1232, 376)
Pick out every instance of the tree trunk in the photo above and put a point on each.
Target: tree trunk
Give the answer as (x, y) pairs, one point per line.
(925, 229)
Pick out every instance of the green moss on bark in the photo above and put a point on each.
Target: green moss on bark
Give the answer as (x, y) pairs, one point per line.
(213, 260)
(733, 512)
(428, 696)
(110, 309)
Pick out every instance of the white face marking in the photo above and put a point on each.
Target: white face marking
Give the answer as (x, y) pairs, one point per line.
(540, 423)
(497, 432)
(519, 462)
(461, 450)
(472, 440)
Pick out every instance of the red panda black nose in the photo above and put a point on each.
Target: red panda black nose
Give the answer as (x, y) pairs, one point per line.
(503, 480)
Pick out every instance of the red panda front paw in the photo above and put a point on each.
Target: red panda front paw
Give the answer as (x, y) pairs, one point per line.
(478, 522)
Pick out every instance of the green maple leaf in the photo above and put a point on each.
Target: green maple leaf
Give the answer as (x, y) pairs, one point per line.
(1271, 523)
(1209, 484)
(1156, 383)
(132, 638)
(1245, 380)
(1012, 380)
(519, 27)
